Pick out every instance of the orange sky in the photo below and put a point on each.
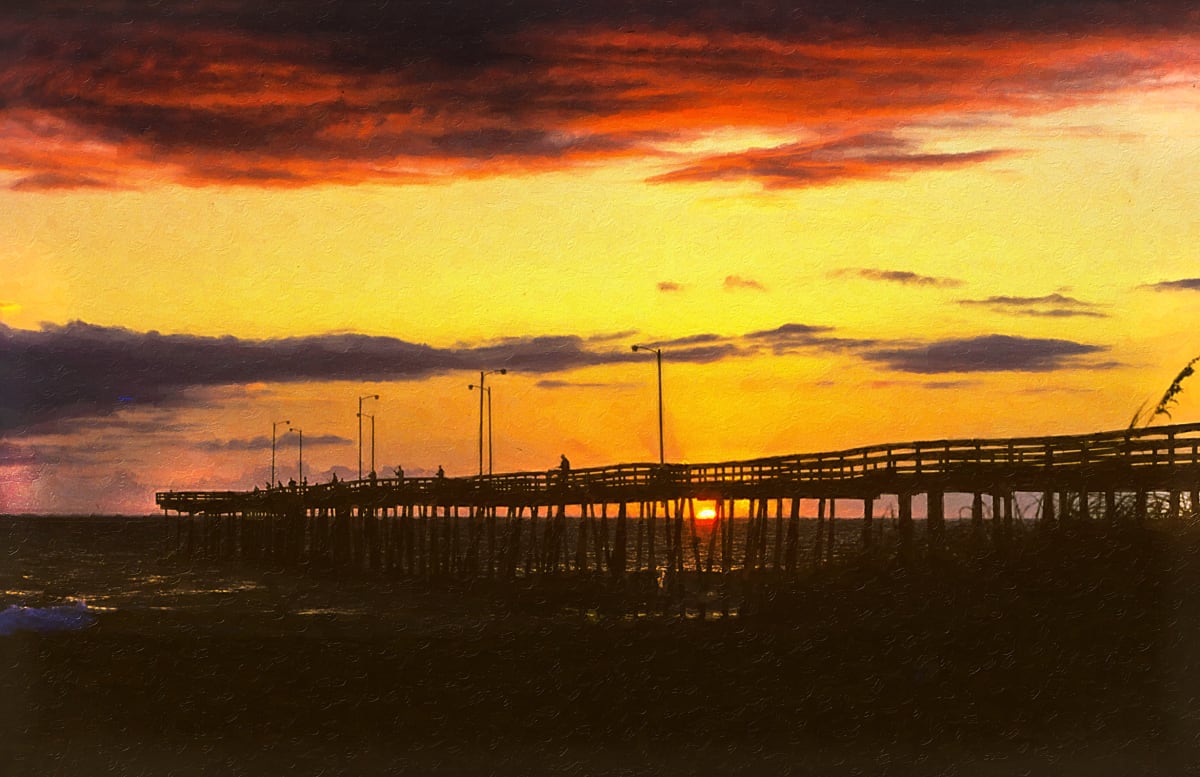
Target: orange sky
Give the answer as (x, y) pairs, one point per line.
(844, 224)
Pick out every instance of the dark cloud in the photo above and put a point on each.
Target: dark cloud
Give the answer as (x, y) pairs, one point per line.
(903, 277)
(735, 282)
(263, 443)
(608, 337)
(80, 369)
(1183, 284)
(115, 93)
(85, 371)
(571, 384)
(706, 338)
(1048, 306)
(50, 181)
(988, 353)
(798, 165)
(791, 338)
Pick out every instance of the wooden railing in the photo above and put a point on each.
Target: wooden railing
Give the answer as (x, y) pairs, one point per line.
(1135, 449)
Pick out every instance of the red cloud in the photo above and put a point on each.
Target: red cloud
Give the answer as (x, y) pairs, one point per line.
(118, 96)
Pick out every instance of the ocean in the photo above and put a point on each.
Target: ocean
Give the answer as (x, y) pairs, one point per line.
(1078, 659)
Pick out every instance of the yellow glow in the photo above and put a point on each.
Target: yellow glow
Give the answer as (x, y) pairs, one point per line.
(1095, 211)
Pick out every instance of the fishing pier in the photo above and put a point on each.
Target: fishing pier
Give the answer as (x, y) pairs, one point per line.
(662, 521)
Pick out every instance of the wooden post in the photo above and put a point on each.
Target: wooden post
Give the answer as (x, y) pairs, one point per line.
(935, 519)
(793, 537)
(764, 509)
(778, 560)
(616, 564)
(1064, 507)
(715, 531)
(533, 558)
(905, 523)
(868, 520)
(819, 542)
(977, 513)
(1140, 507)
(1110, 506)
(641, 530)
(829, 549)
(1085, 510)
(600, 538)
(372, 536)
(727, 538)
(651, 560)
(1173, 505)
(1048, 508)
(581, 545)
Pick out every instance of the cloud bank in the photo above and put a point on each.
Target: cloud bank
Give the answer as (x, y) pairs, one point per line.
(990, 353)
(82, 370)
(1048, 306)
(115, 94)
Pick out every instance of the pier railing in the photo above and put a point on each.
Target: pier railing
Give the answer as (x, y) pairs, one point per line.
(1129, 456)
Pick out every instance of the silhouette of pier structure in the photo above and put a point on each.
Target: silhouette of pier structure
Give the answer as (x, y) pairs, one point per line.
(643, 518)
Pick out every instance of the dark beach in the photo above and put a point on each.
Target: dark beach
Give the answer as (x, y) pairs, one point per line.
(1079, 657)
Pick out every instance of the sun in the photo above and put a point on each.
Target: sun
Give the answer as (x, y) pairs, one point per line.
(706, 513)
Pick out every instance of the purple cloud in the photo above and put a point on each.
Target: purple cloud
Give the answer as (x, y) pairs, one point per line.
(736, 282)
(1183, 284)
(903, 277)
(1047, 306)
(988, 353)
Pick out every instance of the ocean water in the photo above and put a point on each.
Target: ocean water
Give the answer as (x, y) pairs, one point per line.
(188, 668)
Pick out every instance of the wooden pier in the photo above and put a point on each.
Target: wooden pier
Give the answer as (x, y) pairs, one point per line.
(642, 519)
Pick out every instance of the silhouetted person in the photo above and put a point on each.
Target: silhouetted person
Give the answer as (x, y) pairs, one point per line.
(564, 465)
(371, 477)
(399, 472)
(441, 473)
(334, 480)
(292, 483)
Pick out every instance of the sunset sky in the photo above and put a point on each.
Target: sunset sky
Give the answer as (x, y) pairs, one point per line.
(844, 223)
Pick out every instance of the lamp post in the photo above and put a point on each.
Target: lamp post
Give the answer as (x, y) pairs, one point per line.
(274, 426)
(360, 417)
(482, 386)
(658, 358)
(372, 417)
(300, 466)
(487, 391)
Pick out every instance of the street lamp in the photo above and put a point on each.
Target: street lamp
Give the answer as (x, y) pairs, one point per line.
(372, 417)
(360, 417)
(482, 378)
(300, 467)
(274, 426)
(488, 391)
(658, 358)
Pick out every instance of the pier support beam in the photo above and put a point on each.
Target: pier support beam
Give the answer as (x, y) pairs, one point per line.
(935, 519)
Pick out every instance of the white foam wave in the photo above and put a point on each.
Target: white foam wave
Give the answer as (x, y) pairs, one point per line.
(66, 617)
